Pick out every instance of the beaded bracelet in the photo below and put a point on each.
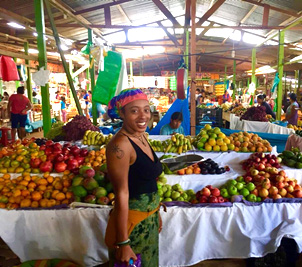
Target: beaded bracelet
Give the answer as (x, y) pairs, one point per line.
(123, 243)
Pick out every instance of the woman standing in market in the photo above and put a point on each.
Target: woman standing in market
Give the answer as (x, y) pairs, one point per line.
(292, 111)
(63, 109)
(133, 168)
(261, 101)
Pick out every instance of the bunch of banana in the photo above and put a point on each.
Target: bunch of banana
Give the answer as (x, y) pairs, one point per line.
(179, 144)
(96, 138)
(157, 145)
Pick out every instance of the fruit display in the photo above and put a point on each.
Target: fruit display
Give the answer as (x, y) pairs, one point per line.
(33, 191)
(296, 128)
(76, 128)
(226, 106)
(270, 118)
(37, 107)
(96, 158)
(212, 139)
(248, 142)
(96, 138)
(269, 181)
(210, 194)
(204, 167)
(238, 111)
(292, 158)
(255, 114)
(92, 187)
(170, 193)
(178, 143)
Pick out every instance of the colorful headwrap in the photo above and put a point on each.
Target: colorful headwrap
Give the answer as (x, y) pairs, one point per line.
(122, 99)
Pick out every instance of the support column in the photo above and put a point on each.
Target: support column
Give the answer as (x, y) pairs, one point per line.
(254, 66)
(280, 71)
(64, 63)
(187, 48)
(225, 77)
(42, 57)
(88, 78)
(1, 84)
(28, 81)
(234, 80)
(193, 68)
(92, 81)
(299, 78)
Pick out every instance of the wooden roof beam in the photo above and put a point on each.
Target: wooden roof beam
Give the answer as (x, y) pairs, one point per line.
(188, 13)
(94, 8)
(166, 12)
(171, 36)
(290, 13)
(265, 15)
(210, 12)
(205, 31)
(107, 15)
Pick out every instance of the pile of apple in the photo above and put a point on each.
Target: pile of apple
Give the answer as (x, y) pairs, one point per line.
(269, 181)
(210, 194)
(59, 158)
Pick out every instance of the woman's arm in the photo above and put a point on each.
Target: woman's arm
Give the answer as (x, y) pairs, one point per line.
(292, 113)
(118, 155)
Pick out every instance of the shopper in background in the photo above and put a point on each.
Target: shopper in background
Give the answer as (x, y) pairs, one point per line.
(174, 126)
(58, 97)
(5, 96)
(226, 97)
(18, 106)
(36, 100)
(261, 101)
(3, 105)
(63, 109)
(292, 110)
(133, 167)
(86, 97)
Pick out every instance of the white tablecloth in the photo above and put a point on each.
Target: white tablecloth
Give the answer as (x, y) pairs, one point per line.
(257, 126)
(189, 235)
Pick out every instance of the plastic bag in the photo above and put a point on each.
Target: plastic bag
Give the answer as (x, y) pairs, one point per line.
(108, 79)
(138, 263)
(8, 68)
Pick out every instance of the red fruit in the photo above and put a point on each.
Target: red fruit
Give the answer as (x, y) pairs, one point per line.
(210, 187)
(206, 192)
(277, 196)
(255, 192)
(35, 163)
(66, 145)
(59, 157)
(297, 187)
(48, 151)
(297, 193)
(103, 200)
(83, 152)
(75, 150)
(57, 146)
(279, 178)
(282, 173)
(46, 166)
(215, 192)
(89, 173)
(60, 166)
(49, 143)
(213, 199)
(282, 192)
(65, 151)
(289, 189)
(51, 157)
(43, 147)
(57, 151)
(248, 179)
(72, 164)
(203, 199)
(79, 159)
(279, 185)
(220, 199)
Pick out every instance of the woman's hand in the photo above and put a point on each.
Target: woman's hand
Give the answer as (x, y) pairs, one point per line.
(160, 223)
(124, 254)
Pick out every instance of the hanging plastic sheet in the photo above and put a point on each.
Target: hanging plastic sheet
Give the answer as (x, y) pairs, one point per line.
(178, 106)
(8, 68)
(274, 90)
(108, 79)
(86, 49)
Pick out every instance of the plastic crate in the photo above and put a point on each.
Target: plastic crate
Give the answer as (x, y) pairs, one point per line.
(208, 114)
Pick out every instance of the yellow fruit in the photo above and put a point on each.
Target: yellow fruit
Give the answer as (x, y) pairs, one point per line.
(222, 135)
(219, 142)
(224, 148)
(212, 142)
(216, 148)
(208, 147)
(226, 140)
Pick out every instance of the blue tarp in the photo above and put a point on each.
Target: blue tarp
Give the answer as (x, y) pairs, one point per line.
(180, 106)
(278, 140)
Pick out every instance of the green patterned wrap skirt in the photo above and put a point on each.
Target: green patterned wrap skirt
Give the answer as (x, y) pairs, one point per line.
(144, 237)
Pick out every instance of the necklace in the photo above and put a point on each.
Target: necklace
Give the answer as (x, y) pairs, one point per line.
(139, 137)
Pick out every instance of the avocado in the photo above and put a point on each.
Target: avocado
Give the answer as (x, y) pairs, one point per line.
(290, 163)
(298, 165)
(288, 154)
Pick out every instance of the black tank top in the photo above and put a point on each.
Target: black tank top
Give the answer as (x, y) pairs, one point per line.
(143, 173)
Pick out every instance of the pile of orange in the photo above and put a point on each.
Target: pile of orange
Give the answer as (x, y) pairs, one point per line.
(193, 169)
(249, 142)
(35, 191)
(96, 158)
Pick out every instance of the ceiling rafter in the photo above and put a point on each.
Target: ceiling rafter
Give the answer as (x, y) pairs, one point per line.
(94, 8)
(171, 36)
(188, 13)
(284, 11)
(166, 12)
(210, 12)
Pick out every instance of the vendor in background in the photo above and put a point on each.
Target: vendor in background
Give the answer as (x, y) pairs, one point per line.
(58, 97)
(226, 97)
(18, 106)
(174, 126)
(202, 98)
(36, 100)
(261, 101)
(292, 110)
(63, 109)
